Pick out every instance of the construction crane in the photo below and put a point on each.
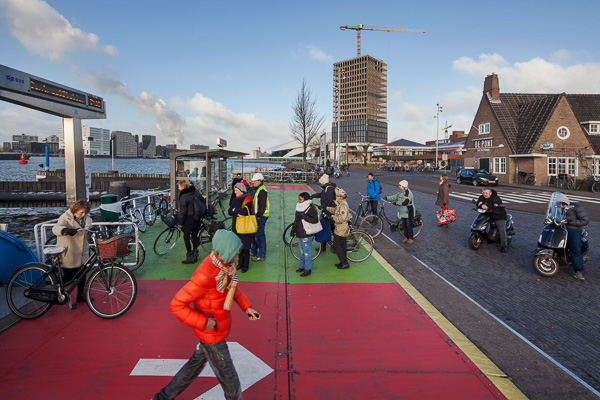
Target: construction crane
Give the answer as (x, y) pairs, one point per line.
(361, 27)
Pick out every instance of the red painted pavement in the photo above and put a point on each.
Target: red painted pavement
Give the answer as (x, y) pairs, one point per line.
(351, 341)
(287, 187)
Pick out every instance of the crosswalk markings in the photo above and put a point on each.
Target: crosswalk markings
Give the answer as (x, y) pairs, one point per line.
(525, 197)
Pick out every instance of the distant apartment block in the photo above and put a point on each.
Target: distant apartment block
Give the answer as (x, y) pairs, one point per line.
(148, 146)
(24, 138)
(199, 147)
(53, 139)
(96, 141)
(359, 105)
(125, 144)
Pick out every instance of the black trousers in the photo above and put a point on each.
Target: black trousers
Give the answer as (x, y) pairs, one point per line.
(70, 274)
(220, 360)
(244, 259)
(190, 234)
(340, 247)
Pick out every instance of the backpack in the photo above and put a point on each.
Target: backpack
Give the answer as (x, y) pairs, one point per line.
(199, 206)
(380, 188)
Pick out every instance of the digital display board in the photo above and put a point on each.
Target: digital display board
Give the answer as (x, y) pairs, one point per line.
(62, 93)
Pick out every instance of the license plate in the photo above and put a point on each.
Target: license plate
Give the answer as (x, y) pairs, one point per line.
(492, 181)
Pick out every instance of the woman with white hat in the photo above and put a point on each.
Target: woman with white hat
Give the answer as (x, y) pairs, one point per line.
(406, 210)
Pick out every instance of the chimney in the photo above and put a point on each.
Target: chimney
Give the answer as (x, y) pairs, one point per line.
(492, 86)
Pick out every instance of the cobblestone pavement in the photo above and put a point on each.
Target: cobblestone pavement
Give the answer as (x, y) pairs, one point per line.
(559, 315)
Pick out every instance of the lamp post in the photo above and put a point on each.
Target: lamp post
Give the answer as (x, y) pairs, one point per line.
(338, 89)
(437, 132)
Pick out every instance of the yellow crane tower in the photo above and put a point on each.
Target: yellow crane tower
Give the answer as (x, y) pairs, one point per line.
(361, 27)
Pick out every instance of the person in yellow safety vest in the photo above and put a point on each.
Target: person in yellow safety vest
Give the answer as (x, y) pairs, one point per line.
(261, 210)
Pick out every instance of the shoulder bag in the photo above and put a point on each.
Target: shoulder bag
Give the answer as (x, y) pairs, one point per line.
(311, 229)
(246, 224)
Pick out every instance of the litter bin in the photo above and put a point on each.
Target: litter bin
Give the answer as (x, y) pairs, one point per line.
(109, 208)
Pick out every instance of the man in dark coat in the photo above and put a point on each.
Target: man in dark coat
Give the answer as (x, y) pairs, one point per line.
(577, 218)
(187, 223)
(327, 197)
(490, 201)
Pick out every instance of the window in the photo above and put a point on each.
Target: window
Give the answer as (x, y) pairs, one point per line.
(500, 165)
(594, 129)
(484, 128)
(563, 132)
(562, 165)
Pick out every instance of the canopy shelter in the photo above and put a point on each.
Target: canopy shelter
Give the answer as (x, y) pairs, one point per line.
(205, 169)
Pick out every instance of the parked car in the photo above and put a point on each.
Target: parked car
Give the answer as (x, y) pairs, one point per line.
(476, 177)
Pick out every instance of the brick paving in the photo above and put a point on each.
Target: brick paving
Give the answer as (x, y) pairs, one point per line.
(559, 315)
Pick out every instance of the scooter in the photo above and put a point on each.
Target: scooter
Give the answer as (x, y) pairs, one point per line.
(336, 173)
(484, 229)
(552, 248)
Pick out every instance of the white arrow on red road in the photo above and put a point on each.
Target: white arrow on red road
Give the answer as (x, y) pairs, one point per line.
(250, 369)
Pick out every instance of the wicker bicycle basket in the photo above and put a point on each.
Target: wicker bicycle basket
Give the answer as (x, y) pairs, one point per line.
(114, 247)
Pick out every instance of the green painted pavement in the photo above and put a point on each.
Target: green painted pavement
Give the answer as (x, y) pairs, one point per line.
(280, 265)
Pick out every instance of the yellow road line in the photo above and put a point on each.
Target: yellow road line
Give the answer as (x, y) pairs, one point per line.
(495, 374)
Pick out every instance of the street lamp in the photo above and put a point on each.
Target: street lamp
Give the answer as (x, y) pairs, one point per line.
(437, 132)
(338, 90)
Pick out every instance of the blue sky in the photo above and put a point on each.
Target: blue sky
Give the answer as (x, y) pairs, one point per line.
(192, 71)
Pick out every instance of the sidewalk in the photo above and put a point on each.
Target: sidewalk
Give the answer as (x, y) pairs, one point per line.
(363, 333)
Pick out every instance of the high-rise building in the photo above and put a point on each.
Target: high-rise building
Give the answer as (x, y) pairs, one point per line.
(24, 138)
(125, 144)
(359, 106)
(96, 141)
(148, 146)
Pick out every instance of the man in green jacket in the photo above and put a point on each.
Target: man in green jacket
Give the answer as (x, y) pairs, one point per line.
(406, 210)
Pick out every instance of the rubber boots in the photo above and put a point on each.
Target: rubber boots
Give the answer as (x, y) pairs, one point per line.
(189, 258)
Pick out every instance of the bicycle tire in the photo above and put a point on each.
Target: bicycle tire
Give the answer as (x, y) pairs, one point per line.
(163, 205)
(286, 234)
(416, 229)
(27, 276)
(131, 257)
(166, 240)
(205, 237)
(228, 223)
(149, 214)
(359, 246)
(571, 184)
(295, 249)
(373, 227)
(595, 187)
(139, 220)
(111, 291)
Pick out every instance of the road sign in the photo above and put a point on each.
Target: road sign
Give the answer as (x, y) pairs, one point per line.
(250, 369)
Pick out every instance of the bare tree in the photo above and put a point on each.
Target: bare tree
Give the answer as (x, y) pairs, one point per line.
(306, 123)
(365, 153)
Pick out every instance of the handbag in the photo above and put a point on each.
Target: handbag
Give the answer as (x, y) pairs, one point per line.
(246, 224)
(311, 229)
(324, 235)
(446, 216)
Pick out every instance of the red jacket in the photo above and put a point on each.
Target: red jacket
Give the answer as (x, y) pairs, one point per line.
(208, 302)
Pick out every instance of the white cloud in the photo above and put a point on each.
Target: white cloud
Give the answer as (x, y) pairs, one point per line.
(536, 75)
(243, 132)
(168, 122)
(44, 31)
(107, 82)
(317, 54)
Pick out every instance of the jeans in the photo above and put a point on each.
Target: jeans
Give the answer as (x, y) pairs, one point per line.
(501, 225)
(220, 360)
(305, 248)
(259, 240)
(374, 204)
(574, 245)
(340, 245)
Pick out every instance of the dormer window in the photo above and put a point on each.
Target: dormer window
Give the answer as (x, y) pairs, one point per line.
(563, 132)
(594, 129)
(484, 128)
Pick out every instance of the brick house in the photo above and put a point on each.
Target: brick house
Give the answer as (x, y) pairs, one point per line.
(540, 134)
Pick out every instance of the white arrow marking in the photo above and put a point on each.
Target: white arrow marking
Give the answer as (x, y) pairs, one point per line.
(250, 369)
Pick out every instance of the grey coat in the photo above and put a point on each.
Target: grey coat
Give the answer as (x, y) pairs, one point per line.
(576, 217)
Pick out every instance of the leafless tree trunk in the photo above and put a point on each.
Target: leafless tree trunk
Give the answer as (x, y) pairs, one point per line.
(306, 123)
(365, 154)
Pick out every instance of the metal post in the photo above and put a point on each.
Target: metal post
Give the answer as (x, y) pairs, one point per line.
(439, 110)
(74, 165)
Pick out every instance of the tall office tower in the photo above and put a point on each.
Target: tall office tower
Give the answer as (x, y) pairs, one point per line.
(125, 144)
(359, 106)
(148, 146)
(96, 141)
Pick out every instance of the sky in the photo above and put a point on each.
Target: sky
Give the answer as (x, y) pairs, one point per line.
(192, 71)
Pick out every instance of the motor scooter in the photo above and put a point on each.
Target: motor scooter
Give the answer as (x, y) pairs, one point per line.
(552, 250)
(484, 229)
(336, 173)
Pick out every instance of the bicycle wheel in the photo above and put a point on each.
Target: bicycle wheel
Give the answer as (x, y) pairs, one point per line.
(28, 276)
(149, 214)
(206, 236)
(163, 205)
(166, 240)
(571, 184)
(359, 246)
(595, 187)
(286, 234)
(295, 249)
(372, 224)
(228, 222)
(130, 259)
(111, 291)
(139, 220)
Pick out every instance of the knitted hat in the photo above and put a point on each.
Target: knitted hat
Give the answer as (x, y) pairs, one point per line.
(403, 183)
(324, 179)
(241, 187)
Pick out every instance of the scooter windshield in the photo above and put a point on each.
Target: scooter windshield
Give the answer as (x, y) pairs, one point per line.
(555, 210)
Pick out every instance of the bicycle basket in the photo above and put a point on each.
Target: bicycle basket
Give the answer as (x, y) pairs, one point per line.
(417, 219)
(113, 247)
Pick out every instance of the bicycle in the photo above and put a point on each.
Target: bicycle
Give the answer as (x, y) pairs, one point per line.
(373, 224)
(359, 246)
(215, 200)
(132, 214)
(564, 181)
(151, 211)
(110, 290)
(594, 185)
(523, 179)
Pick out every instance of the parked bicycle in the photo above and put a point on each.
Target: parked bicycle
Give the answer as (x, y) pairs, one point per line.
(215, 199)
(522, 178)
(359, 246)
(594, 183)
(110, 290)
(158, 203)
(373, 224)
(132, 213)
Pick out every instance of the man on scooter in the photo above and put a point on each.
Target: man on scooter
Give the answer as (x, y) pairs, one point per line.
(492, 203)
(577, 218)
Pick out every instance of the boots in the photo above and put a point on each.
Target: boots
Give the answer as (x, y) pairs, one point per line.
(189, 258)
(195, 255)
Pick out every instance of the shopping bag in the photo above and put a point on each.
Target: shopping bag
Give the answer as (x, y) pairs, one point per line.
(324, 235)
(446, 216)
(246, 224)
(311, 229)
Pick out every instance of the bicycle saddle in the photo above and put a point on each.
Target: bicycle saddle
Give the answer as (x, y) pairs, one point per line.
(53, 250)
